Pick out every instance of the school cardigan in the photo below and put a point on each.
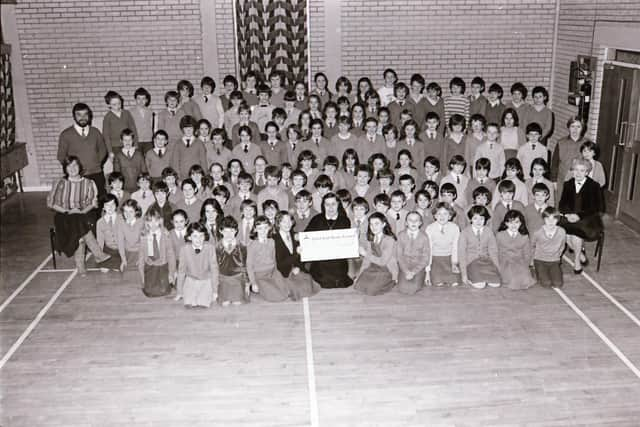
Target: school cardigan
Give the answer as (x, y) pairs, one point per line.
(478, 105)
(211, 109)
(90, 150)
(276, 154)
(156, 164)
(533, 216)
(548, 249)
(143, 118)
(387, 256)
(183, 157)
(235, 133)
(200, 266)
(191, 108)
(107, 232)
(130, 167)
(493, 114)
(543, 117)
(112, 127)
(165, 254)
(247, 159)
(472, 247)
(527, 153)
(413, 254)
(495, 152)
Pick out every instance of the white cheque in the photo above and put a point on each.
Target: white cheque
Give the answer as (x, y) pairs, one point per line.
(329, 244)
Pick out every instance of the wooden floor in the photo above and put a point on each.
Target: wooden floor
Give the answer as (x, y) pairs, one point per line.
(104, 355)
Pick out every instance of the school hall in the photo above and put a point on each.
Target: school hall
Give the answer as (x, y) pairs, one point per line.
(319, 213)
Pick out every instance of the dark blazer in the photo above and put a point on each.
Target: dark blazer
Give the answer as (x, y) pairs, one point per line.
(591, 195)
(285, 260)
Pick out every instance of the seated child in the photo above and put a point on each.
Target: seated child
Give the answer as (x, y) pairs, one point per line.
(198, 268)
(156, 259)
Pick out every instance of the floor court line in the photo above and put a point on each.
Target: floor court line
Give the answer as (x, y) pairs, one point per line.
(35, 321)
(603, 291)
(24, 283)
(311, 374)
(599, 333)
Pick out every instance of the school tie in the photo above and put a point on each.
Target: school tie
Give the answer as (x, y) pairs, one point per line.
(173, 112)
(508, 206)
(206, 99)
(198, 251)
(293, 147)
(160, 152)
(84, 131)
(246, 148)
(458, 179)
(533, 147)
(217, 151)
(156, 247)
(188, 142)
(397, 216)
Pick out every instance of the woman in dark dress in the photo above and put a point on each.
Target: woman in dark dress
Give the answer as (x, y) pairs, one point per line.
(330, 273)
(582, 205)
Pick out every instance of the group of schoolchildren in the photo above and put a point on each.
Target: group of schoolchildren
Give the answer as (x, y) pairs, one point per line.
(207, 196)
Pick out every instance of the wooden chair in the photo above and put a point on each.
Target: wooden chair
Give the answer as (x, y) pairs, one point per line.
(599, 248)
(52, 239)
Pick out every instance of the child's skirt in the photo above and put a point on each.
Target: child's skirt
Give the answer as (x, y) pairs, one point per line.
(156, 280)
(374, 280)
(516, 274)
(197, 292)
(112, 263)
(272, 286)
(232, 288)
(441, 270)
(483, 270)
(301, 285)
(410, 287)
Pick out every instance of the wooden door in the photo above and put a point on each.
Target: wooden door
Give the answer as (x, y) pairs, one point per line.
(629, 210)
(613, 124)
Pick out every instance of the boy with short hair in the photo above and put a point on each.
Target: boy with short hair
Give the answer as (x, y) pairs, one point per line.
(262, 112)
(290, 108)
(244, 113)
(250, 93)
(129, 161)
(210, 105)
(245, 187)
(494, 107)
(477, 101)
(480, 179)
(189, 150)
(303, 211)
(273, 191)
(533, 211)
(158, 158)
(400, 103)
(432, 138)
(273, 149)
(343, 140)
(507, 190)
(162, 204)
(397, 214)
(449, 194)
(533, 148)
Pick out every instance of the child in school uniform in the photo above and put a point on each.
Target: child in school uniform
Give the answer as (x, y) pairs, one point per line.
(457, 178)
(539, 170)
(232, 115)
(443, 239)
(405, 165)
(187, 104)
(189, 201)
(273, 191)
(386, 91)
(391, 145)
(384, 184)
(362, 187)
(413, 254)
(169, 118)
(540, 113)
(261, 263)
(143, 117)
(431, 170)
(397, 214)
(514, 252)
(162, 204)
(143, 195)
(512, 136)
(480, 179)
(547, 245)
(115, 181)
(321, 87)
(407, 184)
(217, 178)
(170, 178)
(539, 202)
(432, 138)
(322, 185)
(198, 269)
(478, 251)
(270, 209)
(232, 265)
(203, 186)
(129, 161)
(274, 151)
(245, 187)
(156, 259)
(177, 236)
(435, 103)
(288, 260)
(475, 138)
(263, 112)
(230, 84)
(246, 151)
(189, 150)
(423, 206)
(449, 194)
(492, 150)
(214, 144)
(129, 234)
(244, 113)
(533, 149)
(343, 140)
(259, 178)
(209, 104)
(518, 102)
(513, 172)
(454, 143)
(477, 101)
(505, 202)
(456, 102)
(210, 216)
(247, 217)
(494, 107)
(115, 121)
(379, 271)
(302, 211)
(108, 232)
(159, 157)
